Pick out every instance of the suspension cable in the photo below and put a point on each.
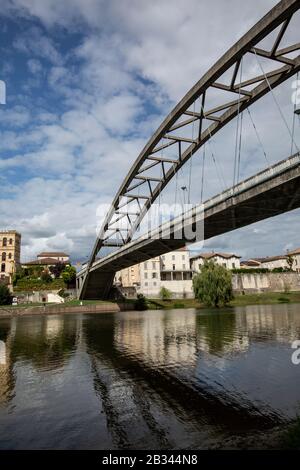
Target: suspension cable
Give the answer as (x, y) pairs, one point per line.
(238, 129)
(202, 179)
(191, 159)
(277, 104)
(294, 114)
(258, 137)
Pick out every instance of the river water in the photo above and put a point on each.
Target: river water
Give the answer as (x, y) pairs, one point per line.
(150, 380)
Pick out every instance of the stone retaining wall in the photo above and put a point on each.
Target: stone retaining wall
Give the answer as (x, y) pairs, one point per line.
(266, 282)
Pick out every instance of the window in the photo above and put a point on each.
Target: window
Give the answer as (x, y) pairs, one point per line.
(9, 256)
(173, 257)
(4, 243)
(153, 264)
(174, 267)
(3, 256)
(183, 266)
(163, 257)
(154, 283)
(233, 265)
(145, 275)
(3, 267)
(224, 264)
(10, 241)
(146, 284)
(154, 276)
(183, 257)
(145, 265)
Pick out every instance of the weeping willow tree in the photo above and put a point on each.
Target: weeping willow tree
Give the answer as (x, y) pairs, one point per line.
(212, 286)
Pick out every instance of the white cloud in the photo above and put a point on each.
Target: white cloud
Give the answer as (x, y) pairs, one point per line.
(133, 56)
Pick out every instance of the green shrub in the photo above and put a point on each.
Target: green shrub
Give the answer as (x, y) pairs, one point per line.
(165, 294)
(5, 295)
(141, 302)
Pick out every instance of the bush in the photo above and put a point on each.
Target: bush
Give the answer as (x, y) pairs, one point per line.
(46, 277)
(250, 270)
(212, 286)
(141, 302)
(5, 295)
(165, 294)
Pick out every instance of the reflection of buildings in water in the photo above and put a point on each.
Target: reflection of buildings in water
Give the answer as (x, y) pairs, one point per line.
(2, 353)
(263, 322)
(46, 341)
(164, 338)
(53, 326)
(6, 371)
(161, 337)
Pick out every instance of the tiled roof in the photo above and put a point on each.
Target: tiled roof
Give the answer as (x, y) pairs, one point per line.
(212, 254)
(294, 252)
(270, 258)
(43, 262)
(50, 254)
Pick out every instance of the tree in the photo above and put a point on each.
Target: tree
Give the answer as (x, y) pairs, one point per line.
(140, 302)
(212, 285)
(57, 269)
(5, 295)
(290, 261)
(165, 294)
(45, 276)
(69, 275)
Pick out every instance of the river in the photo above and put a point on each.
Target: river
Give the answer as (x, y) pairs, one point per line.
(163, 379)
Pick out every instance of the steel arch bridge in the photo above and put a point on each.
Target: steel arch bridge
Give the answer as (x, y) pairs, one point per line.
(193, 122)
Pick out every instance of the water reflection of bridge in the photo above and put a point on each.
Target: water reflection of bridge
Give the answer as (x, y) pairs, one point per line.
(158, 375)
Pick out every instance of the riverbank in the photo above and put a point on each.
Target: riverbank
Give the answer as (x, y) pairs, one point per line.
(56, 309)
(98, 306)
(263, 298)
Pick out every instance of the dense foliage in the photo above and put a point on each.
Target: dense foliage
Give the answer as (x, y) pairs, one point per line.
(141, 302)
(165, 294)
(5, 295)
(69, 275)
(212, 286)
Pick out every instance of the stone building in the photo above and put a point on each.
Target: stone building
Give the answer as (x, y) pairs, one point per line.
(228, 260)
(295, 254)
(10, 251)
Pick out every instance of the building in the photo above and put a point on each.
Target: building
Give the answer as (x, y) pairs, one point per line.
(128, 277)
(250, 264)
(295, 254)
(228, 260)
(171, 270)
(273, 262)
(150, 277)
(10, 252)
(56, 255)
(176, 274)
(48, 260)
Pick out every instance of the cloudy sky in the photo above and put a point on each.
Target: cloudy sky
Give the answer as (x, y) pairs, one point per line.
(88, 81)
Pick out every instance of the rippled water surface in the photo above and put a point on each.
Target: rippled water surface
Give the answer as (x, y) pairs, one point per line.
(155, 379)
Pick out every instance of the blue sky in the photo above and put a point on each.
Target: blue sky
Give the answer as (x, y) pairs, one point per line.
(87, 84)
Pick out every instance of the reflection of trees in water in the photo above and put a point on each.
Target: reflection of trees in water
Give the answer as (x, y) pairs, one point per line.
(7, 379)
(216, 331)
(45, 341)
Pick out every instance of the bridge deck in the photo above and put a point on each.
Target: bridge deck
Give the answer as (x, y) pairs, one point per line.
(267, 194)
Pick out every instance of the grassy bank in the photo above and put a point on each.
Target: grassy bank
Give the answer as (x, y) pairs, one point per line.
(266, 298)
(263, 298)
(239, 300)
